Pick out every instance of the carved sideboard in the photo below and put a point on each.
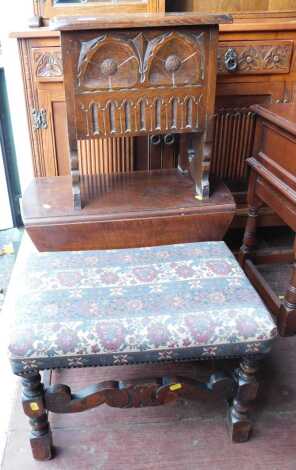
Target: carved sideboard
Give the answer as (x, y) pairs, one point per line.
(256, 65)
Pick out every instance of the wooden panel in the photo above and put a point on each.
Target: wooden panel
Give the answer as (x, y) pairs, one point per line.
(233, 94)
(60, 136)
(156, 152)
(54, 137)
(47, 9)
(231, 6)
(106, 156)
(280, 147)
(234, 129)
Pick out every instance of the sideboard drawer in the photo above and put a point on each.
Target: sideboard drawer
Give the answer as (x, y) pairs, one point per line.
(254, 57)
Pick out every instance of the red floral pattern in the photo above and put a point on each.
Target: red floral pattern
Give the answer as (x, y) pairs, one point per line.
(128, 306)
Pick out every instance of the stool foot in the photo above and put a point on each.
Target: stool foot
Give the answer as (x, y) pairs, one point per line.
(33, 405)
(239, 423)
(41, 446)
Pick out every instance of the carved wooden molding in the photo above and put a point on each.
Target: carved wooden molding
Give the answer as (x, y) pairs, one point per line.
(140, 115)
(258, 58)
(48, 64)
(134, 394)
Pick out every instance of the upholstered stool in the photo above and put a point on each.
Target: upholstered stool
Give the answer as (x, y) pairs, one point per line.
(135, 306)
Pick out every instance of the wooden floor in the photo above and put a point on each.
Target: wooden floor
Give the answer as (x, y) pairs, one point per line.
(187, 435)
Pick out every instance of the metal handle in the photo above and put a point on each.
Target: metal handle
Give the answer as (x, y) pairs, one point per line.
(231, 60)
(155, 139)
(39, 119)
(169, 139)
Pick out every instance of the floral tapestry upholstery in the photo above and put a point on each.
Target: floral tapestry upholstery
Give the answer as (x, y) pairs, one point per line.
(102, 308)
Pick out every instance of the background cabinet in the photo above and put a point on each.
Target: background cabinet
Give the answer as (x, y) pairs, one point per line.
(265, 72)
(46, 9)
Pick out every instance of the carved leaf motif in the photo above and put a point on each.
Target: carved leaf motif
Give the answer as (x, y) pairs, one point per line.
(277, 57)
(49, 65)
(249, 59)
(140, 43)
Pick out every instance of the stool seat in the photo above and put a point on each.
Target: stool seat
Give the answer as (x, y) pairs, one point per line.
(102, 308)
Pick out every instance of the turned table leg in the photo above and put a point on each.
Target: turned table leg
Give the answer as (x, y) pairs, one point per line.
(287, 318)
(250, 238)
(239, 423)
(33, 405)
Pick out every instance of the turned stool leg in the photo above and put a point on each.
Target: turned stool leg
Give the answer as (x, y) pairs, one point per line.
(240, 426)
(33, 405)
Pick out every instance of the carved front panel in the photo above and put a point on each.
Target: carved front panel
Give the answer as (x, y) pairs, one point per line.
(136, 115)
(47, 62)
(120, 60)
(258, 57)
(139, 82)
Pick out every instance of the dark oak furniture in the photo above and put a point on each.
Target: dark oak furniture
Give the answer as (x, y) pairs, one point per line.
(117, 308)
(273, 183)
(252, 81)
(124, 211)
(140, 75)
(135, 75)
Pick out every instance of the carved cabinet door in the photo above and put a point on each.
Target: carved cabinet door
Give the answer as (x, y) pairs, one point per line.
(51, 99)
(47, 107)
(49, 112)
